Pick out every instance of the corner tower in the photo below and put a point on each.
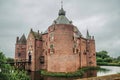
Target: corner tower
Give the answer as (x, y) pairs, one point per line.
(20, 48)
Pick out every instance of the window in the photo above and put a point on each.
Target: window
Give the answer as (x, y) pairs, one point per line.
(51, 46)
(90, 62)
(94, 54)
(30, 57)
(84, 52)
(19, 54)
(75, 45)
(77, 50)
(42, 59)
(51, 49)
(51, 36)
(89, 56)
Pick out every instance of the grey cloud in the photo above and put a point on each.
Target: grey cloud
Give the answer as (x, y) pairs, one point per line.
(18, 16)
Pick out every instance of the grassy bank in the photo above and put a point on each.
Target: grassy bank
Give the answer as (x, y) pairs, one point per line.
(62, 74)
(77, 73)
(107, 64)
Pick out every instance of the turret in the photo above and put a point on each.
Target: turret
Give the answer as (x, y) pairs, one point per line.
(88, 35)
(20, 48)
(17, 40)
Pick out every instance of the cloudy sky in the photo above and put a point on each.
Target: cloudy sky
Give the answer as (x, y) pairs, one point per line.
(101, 17)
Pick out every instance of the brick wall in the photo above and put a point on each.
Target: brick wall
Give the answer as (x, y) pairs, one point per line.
(62, 59)
(31, 51)
(20, 51)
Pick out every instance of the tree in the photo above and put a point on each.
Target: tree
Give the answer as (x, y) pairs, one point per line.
(118, 58)
(10, 59)
(99, 60)
(102, 54)
(108, 59)
(9, 73)
(4, 68)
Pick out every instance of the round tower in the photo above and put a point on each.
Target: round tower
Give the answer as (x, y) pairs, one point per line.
(61, 56)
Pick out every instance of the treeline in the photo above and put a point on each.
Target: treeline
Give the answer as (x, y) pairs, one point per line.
(103, 58)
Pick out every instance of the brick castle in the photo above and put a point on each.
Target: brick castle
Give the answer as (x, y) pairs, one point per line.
(61, 48)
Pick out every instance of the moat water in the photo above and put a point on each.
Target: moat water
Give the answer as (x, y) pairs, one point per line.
(113, 70)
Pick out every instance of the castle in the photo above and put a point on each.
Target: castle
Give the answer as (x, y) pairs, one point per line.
(61, 48)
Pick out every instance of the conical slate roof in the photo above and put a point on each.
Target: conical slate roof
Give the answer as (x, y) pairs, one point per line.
(62, 19)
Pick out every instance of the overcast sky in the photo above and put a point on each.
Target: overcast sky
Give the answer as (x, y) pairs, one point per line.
(100, 17)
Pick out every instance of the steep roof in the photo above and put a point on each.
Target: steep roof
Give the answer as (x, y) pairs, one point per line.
(22, 40)
(36, 35)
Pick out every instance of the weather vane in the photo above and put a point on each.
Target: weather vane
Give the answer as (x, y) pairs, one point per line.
(61, 4)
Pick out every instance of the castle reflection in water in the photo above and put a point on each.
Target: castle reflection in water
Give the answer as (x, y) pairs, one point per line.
(38, 76)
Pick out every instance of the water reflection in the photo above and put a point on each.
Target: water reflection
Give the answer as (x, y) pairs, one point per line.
(37, 76)
(90, 73)
(113, 70)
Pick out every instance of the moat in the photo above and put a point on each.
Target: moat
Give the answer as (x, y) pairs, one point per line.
(113, 70)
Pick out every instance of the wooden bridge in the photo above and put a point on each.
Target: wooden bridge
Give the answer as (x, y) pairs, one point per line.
(20, 64)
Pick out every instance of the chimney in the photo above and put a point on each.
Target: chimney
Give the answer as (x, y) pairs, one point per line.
(93, 37)
(31, 30)
(38, 31)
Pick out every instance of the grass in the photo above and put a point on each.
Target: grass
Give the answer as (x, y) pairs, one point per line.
(78, 73)
(62, 74)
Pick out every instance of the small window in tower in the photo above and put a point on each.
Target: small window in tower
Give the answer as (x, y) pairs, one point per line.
(51, 36)
(90, 62)
(42, 59)
(51, 46)
(77, 50)
(51, 49)
(89, 56)
(73, 37)
(19, 54)
(29, 57)
(84, 52)
(87, 50)
(75, 45)
(94, 54)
